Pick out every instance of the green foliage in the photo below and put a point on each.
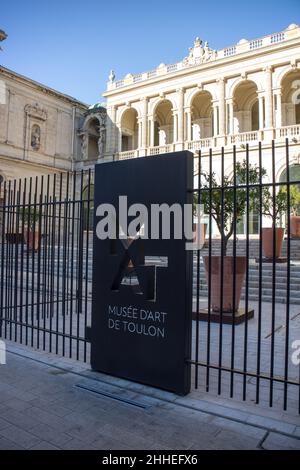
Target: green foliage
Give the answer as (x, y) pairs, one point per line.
(228, 204)
(281, 202)
(295, 199)
(31, 216)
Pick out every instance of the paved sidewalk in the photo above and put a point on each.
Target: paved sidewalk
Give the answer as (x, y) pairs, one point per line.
(52, 403)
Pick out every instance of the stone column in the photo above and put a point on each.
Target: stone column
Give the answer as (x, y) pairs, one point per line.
(268, 97)
(140, 133)
(222, 108)
(180, 115)
(278, 119)
(144, 123)
(261, 111)
(151, 131)
(188, 124)
(230, 116)
(175, 135)
(111, 134)
(215, 111)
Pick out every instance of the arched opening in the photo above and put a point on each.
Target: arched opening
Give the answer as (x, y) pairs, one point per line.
(129, 130)
(294, 174)
(92, 129)
(163, 123)
(290, 99)
(255, 116)
(245, 108)
(202, 116)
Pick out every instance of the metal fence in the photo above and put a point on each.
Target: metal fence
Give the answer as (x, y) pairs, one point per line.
(246, 293)
(45, 262)
(246, 301)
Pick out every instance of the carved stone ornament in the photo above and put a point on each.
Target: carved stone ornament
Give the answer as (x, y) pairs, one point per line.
(101, 140)
(199, 54)
(35, 139)
(84, 146)
(36, 112)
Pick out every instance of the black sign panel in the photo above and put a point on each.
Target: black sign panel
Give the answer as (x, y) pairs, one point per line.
(142, 288)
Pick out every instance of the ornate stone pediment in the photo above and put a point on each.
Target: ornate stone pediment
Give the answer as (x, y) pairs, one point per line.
(36, 112)
(199, 54)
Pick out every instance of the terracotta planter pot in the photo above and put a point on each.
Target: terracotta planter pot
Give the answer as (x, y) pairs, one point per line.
(201, 229)
(32, 239)
(267, 241)
(295, 226)
(14, 238)
(229, 281)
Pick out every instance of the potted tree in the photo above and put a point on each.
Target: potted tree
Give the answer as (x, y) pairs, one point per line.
(276, 231)
(31, 232)
(234, 204)
(199, 226)
(295, 208)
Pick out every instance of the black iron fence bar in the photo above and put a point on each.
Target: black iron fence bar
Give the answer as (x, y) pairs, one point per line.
(2, 251)
(247, 273)
(273, 314)
(52, 274)
(64, 258)
(222, 275)
(262, 376)
(245, 186)
(27, 273)
(87, 259)
(73, 207)
(209, 276)
(47, 330)
(260, 255)
(288, 275)
(22, 256)
(198, 271)
(234, 276)
(58, 262)
(46, 260)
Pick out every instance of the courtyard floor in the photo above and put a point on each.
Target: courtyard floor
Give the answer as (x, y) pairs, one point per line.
(52, 403)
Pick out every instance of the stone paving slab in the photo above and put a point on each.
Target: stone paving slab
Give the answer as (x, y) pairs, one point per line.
(52, 411)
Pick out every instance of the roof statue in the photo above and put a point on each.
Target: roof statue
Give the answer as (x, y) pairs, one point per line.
(3, 36)
(111, 77)
(199, 53)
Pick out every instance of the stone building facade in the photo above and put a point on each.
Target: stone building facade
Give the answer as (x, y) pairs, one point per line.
(246, 95)
(44, 131)
(38, 128)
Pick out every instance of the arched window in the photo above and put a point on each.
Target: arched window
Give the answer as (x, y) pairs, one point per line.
(163, 123)
(254, 117)
(294, 174)
(129, 130)
(245, 107)
(202, 116)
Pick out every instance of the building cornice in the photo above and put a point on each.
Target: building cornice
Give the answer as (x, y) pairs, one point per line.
(7, 73)
(207, 66)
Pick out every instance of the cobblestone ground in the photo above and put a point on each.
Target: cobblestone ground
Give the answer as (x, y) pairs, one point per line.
(52, 403)
(242, 354)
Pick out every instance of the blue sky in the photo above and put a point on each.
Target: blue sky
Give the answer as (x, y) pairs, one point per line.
(71, 45)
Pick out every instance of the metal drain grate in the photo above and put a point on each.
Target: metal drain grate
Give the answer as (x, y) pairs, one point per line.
(112, 396)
